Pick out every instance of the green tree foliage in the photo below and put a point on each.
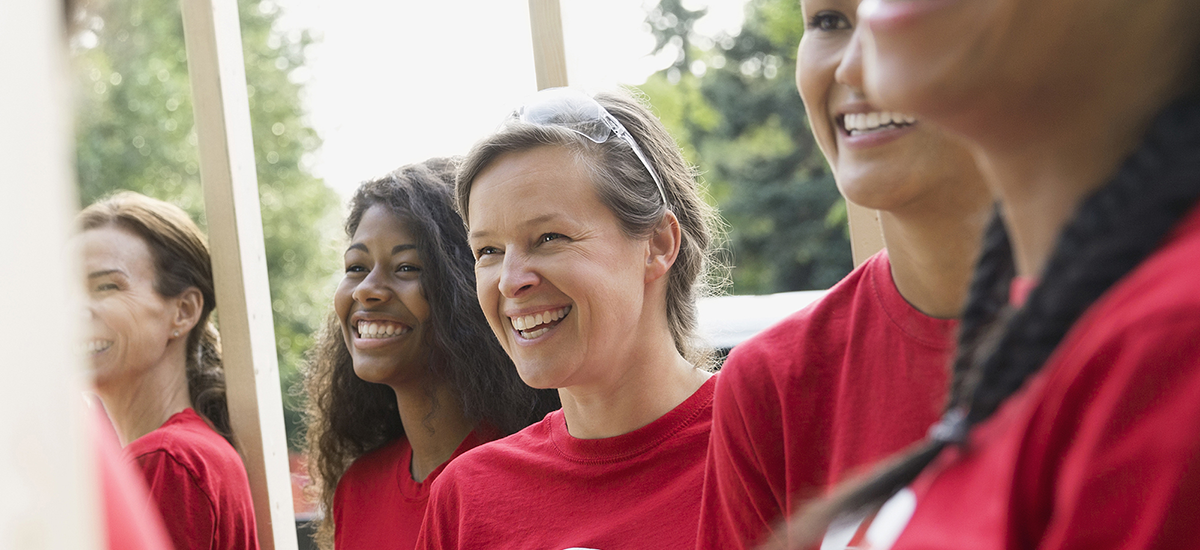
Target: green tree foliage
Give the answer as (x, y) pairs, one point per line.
(732, 103)
(135, 131)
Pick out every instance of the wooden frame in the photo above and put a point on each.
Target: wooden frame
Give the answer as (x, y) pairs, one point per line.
(47, 463)
(549, 54)
(227, 172)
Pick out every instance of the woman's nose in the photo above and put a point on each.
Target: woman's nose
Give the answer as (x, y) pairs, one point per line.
(849, 70)
(371, 289)
(516, 275)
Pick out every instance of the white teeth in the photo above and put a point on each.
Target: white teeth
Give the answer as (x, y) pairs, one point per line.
(523, 323)
(379, 329)
(857, 123)
(97, 346)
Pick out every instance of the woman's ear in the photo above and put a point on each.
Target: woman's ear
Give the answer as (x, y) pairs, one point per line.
(663, 247)
(188, 306)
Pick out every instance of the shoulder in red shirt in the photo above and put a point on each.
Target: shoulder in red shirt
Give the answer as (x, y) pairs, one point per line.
(1099, 450)
(543, 489)
(199, 483)
(378, 505)
(830, 390)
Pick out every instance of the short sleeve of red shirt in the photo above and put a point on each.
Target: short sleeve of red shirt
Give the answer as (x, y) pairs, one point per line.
(378, 505)
(198, 483)
(1101, 450)
(834, 388)
(543, 489)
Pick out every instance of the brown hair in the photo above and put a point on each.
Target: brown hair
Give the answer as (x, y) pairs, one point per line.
(628, 190)
(181, 261)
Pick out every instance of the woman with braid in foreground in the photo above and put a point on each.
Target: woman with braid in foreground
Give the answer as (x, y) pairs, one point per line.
(1073, 420)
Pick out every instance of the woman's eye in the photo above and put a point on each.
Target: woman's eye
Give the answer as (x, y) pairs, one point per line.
(103, 287)
(829, 21)
(355, 268)
(549, 237)
(486, 251)
(407, 268)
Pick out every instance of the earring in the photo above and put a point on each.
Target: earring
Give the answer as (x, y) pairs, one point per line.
(175, 334)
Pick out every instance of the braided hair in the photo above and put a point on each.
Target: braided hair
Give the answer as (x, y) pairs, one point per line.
(1000, 348)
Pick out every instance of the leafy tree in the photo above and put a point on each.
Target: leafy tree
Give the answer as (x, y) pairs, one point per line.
(732, 103)
(135, 131)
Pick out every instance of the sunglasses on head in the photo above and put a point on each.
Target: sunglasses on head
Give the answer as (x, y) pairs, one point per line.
(579, 112)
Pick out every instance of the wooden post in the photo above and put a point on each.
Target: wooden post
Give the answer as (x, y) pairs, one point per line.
(218, 75)
(866, 237)
(47, 464)
(549, 55)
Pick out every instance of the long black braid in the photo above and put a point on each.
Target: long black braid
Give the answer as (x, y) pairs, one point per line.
(1113, 230)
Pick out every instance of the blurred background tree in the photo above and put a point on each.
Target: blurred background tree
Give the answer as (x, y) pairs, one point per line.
(731, 102)
(135, 131)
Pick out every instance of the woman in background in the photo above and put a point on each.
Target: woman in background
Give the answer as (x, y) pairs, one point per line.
(157, 366)
(407, 376)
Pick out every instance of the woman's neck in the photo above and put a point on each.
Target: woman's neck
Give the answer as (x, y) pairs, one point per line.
(433, 436)
(1042, 183)
(1042, 163)
(933, 243)
(139, 406)
(644, 393)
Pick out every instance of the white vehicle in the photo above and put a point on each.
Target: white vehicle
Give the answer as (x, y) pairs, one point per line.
(726, 321)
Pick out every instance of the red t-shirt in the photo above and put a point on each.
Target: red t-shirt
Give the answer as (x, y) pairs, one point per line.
(1101, 449)
(131, 522)
(544, 489)
(378, 505)
(199, 484)
(841, 384)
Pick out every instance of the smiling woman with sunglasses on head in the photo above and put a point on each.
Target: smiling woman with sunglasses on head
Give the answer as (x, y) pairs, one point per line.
(408, 376)
(588, 279)
(1073, 420)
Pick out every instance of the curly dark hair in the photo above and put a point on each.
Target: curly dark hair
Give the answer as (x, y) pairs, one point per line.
(1000, 347)
(348, 417)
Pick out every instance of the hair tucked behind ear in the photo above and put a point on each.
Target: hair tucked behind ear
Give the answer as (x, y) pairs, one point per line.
(181, 261)
(1113, 231)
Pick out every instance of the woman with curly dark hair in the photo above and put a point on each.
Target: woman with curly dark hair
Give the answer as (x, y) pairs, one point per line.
(407, 374)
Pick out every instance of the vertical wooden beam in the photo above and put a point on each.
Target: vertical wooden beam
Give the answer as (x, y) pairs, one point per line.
(866, 236)
(218, 76)
(47, 464)
(549, 54)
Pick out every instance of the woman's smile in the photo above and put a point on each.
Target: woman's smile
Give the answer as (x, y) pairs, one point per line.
(382, 307)
(559, 281)
(531, 326)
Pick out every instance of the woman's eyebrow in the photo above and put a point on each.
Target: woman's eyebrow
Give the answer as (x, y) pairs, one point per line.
(105, 272)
